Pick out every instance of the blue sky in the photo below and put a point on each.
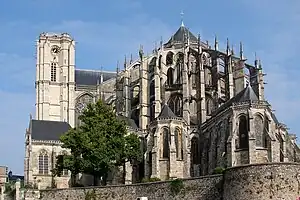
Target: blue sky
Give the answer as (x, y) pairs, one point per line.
(105, 32)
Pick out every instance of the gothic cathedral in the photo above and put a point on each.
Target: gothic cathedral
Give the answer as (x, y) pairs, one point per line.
(194, 107)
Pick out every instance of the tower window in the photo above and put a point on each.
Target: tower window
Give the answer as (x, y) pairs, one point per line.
(53, 72)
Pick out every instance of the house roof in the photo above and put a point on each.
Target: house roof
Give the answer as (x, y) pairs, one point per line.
(48, 130)
(91, 77)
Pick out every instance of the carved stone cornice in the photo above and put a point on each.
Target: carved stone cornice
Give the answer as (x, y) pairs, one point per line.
(50, 142)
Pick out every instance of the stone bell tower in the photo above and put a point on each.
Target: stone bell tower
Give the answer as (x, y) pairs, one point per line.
(55, 79)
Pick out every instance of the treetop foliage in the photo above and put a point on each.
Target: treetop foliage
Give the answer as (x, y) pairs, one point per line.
(99, 144)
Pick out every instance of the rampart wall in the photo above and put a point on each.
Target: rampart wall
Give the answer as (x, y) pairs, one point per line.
(260, 181)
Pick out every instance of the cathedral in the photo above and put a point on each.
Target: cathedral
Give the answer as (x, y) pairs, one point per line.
(195, 108)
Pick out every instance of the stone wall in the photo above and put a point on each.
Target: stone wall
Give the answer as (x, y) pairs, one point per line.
(258, 181)
(263, 181)
(204, 188)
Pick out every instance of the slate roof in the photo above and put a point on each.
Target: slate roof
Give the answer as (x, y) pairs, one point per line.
(48, 130)
(129, 122)
(247, 94)
(274, 118)
(90, 77)
(166, 112)
(181, 35)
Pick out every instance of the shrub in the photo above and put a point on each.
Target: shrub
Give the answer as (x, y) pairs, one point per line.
(219, 170)
(176, 186)
(153, 179)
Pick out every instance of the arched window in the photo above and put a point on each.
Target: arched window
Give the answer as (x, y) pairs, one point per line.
(81, 105)
(152, 88)
(43, 162)
(243, 132)
(196, 156)
(279, 137)
(169, 58)
(179, 67)
(209, 105)
(170, 76)
(152, 108)
(178, 143)
(165, 144)
(266, 133)
(152, 65)
(175, 104)
(208, 77)
(159, 62)
(218, 141)
(135, 115)
(258, 127)
(53, 72)
(135, 91)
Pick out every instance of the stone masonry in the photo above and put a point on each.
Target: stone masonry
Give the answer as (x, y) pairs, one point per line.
(257, 181)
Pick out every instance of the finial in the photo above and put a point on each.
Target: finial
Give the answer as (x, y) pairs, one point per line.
(216, 43)
(125, 62)
(188, 37)
(118, 69)
(199, 42)
(182, 13)
(141, 52)
(241, 51)
(228, 48)
(131, 59)
(232, 50)
(259, 64)
(256, 60)
(155, 47)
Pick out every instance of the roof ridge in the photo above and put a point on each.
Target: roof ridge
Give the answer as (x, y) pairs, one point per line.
(95, 70)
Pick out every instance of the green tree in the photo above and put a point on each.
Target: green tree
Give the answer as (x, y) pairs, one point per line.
(99, 145)
(74, 140)
(132, 152)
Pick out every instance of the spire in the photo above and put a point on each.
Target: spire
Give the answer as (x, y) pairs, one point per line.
(131, 59)
(199, 43)
(101, 76)
(188, 37)
(141, 52)
(182, 24)
(125, 62)
(259, 64)
(241, 51)
(216, 43)
(256, 61)
(161, 43)
(118, 69)
(228, 48)
(232, 50)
